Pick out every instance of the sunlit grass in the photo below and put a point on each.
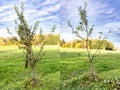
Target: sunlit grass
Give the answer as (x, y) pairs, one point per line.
(74, 64)
(56, 67)
(13, 75)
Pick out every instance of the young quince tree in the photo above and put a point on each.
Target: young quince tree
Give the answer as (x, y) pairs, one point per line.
(83, 27)
(26, 36)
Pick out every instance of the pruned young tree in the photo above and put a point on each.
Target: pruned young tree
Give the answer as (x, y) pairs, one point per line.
(26, 36)
(84, 28)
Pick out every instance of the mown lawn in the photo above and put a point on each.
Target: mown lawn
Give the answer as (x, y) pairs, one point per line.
(13, 75)
(74, 65)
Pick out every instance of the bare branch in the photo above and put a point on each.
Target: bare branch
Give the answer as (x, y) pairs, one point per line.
(100, 44)
(74, 31)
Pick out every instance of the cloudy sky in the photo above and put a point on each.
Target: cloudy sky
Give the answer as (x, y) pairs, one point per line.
(46, 11)
(104, 14)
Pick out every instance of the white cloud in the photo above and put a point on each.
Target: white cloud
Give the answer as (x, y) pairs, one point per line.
(8, 18)
(117, 45)
(5, 7)
(47, 10)
(67, 36)
(30, 12)
(113, 26)
(95, 10)
(53, 8)
(23, 1)
(33, 12)
(4, 33)
(42, 13)
(47, 2)
(110, 11)
(99, 10)
(5, 14)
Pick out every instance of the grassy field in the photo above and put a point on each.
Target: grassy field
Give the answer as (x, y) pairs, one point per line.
(74, 65)
(13, 75)
(60, 69)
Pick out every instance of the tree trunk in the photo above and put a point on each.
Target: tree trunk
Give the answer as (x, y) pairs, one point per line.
(31, 62)
(34, 75)
(26, 61)
(28, 55)
(92, 72)
(33, 72)
(91, 68)
(34, 80)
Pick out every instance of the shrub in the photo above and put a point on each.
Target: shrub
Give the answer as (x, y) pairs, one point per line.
(62, 42)
(108, 48)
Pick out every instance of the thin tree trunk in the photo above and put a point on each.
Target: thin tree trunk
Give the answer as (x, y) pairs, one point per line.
(26, 61)
(30, 61)
(92, 72)
(33, 72)
(34, 78)
(91, 68)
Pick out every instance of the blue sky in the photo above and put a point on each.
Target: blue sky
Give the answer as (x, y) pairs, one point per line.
(46, 11)
(104, 14)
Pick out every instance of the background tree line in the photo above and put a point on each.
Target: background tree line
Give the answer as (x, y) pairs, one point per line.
(107, 45)
(52, 40)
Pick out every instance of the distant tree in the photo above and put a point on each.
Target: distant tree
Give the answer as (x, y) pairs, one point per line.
(84, 27)
(2, 41)
(67, 45)
(95, 44)
(26, 35)
(11, 41)
(108, 45)
(78, 45)
(83, 43)
(53, 39)
(62, 42)
(36, 40)
(74, 42)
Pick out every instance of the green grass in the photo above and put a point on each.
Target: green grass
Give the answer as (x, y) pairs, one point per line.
(74, 65)
(13, 75)
(59, 69)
